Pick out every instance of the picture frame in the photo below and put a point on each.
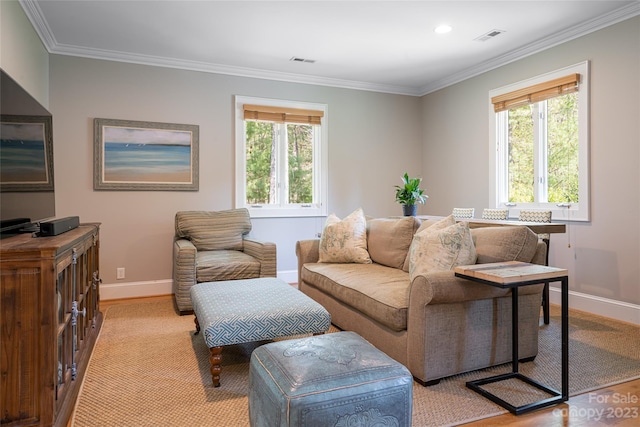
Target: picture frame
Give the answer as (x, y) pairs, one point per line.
(26, 153)
(137, 156)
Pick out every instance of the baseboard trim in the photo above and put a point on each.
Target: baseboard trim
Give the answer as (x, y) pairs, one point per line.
(111, 291)
(151, 288)
(606, 307)
(289, 276)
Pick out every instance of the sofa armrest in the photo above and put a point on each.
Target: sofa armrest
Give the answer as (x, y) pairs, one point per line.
(265, 252)
(184, 272)
(307, 251)
(442, 308)
(540, 257)
(443, 287)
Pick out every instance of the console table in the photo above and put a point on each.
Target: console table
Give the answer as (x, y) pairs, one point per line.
(512, 275)
(536, 227)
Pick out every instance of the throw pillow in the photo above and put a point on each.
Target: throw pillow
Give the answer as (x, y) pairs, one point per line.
(388, 239)
(441, 249)
(434, 225)
(345, 240)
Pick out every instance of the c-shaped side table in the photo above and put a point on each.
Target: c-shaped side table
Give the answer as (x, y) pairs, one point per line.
(512, 275)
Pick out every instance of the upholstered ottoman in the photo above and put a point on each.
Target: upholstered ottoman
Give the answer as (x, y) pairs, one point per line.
(242, 311)
(336, 379)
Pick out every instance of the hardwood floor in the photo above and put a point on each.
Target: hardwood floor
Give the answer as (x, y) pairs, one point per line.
(618, 405)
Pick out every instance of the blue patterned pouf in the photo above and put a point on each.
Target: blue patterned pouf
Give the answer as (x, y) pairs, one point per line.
(242, 311)
(336, 379)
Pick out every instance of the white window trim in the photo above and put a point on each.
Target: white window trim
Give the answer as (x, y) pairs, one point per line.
(575, 212)
(321, 182)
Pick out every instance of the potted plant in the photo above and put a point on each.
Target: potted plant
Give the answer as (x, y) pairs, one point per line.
(409, 193)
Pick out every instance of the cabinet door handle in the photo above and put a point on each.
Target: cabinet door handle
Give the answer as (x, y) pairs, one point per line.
(96, 279)
(75, 312)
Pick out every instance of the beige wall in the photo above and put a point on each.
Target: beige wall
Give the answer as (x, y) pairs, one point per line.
(22, 54)
(373, 139)
(604, 256)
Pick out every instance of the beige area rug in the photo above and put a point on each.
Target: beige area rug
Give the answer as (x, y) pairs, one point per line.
(148, 369)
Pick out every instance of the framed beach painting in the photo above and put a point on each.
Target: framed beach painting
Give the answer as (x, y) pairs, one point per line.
(26, 153)
(131, 155)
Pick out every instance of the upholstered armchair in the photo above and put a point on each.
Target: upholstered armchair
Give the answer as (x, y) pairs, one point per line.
(213, 246)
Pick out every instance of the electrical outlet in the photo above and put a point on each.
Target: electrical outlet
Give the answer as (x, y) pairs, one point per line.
(120, 273)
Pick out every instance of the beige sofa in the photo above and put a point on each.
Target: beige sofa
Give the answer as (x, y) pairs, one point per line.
(437, 325)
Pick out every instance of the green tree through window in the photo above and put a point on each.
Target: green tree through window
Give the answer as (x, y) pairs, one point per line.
(543, 151)
(540, 137)
(281, 157)
(260, 162)
(263, 141)
(300, 150)
(521, 144)
(562, 141)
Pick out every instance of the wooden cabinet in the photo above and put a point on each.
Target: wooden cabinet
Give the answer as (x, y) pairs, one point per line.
(49, 321)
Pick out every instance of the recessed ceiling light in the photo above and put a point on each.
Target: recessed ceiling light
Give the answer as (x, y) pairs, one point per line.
(442, 29)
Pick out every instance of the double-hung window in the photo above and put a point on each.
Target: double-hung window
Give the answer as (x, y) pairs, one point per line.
(540, 139)
(281, 157)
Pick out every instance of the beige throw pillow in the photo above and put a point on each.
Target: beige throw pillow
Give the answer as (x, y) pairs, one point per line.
(433, 224)
(436, 249)
(388, 239)
(345, 241)
(436, 224)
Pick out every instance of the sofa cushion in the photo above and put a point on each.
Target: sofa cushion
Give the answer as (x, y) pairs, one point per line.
(511, 243)
(388, 239)
(436, 249)
(436, 224)
(379, 292)
(345, 241)
(212, 266)
(210, 230)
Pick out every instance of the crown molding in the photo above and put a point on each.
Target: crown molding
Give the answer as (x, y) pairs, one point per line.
(580, 30)
(36, 17)
(206, 67)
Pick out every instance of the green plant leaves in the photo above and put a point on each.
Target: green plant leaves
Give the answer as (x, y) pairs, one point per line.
(410, 193)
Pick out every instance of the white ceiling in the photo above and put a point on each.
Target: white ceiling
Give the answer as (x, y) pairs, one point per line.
(385, 46)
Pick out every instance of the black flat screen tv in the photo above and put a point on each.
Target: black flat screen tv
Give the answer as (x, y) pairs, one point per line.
(27, 193)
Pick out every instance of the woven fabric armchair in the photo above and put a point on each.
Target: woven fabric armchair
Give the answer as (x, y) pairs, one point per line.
(213, 246)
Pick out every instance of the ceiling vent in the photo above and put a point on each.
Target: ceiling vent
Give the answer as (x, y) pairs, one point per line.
(296, 59)
(488, 36)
